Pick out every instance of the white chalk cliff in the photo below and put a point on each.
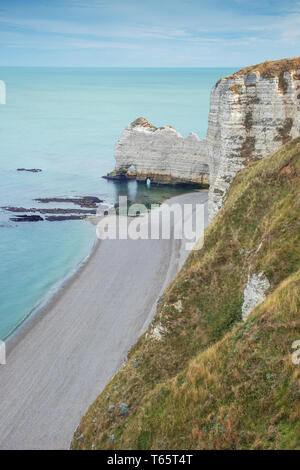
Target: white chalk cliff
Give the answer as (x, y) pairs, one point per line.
(161, 154)
(254, 293)
(252, 113)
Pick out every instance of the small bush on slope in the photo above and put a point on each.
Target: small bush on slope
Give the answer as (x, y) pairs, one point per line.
(209, 383)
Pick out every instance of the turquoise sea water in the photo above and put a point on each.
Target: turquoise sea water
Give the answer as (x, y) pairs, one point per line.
(66, 122)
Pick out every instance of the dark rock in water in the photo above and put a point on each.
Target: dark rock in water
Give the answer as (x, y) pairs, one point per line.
(86, 201)
(50, 211)
(32, 170)
(119, 176)
(26, 218)
(6, 225)
(50, 218)
(66, 213)
(91, 199)
(57, 218)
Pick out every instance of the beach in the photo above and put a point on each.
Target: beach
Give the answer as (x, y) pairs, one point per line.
(83, 111)
(61, 359)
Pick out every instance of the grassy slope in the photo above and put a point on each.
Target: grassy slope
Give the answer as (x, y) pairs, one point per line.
(213, 382)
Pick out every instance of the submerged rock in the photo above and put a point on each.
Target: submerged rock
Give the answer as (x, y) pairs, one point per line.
(49, 211)
(86, 201)
(58, 218)
(26, 218)
(32, 170)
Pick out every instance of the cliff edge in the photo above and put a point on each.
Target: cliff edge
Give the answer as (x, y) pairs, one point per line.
(252, 113)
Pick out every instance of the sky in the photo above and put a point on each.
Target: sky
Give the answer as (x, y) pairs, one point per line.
(147, 33)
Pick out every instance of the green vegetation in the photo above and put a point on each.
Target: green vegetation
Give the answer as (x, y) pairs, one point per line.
(213, 381)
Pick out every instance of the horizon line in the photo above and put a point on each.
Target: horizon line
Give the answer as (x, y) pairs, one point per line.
(113, 67)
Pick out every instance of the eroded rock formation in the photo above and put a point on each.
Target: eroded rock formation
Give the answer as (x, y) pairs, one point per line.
(254, 293)
(160, 154)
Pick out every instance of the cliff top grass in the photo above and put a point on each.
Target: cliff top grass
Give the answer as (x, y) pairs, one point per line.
(143, 122)
(213, 381)
(271, 68)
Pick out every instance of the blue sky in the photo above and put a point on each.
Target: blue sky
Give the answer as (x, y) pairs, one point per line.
(147, 33)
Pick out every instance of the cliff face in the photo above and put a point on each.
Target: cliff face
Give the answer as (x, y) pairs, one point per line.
(161, 154)
(252, 113)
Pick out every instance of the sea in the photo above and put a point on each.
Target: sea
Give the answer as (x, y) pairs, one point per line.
(66, 122)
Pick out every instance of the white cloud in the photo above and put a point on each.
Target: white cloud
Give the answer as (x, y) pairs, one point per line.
(81, 29)
(24, 41)
(86, 44)
(226, 29)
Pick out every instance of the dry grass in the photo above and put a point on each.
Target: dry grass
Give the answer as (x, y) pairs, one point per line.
(236, 89)
(269, 69)
(272, 68)
(212, 382)
(242, 393)
(143, 122)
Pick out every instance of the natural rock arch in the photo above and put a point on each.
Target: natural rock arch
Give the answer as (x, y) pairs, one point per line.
(162, 154)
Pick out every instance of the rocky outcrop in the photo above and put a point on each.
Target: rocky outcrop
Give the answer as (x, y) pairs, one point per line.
(252, 113)
(49, 211)
(57, 214)
(160, 154)
(26, 218)
(254, 293)
(60, 218)
(85, 201)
